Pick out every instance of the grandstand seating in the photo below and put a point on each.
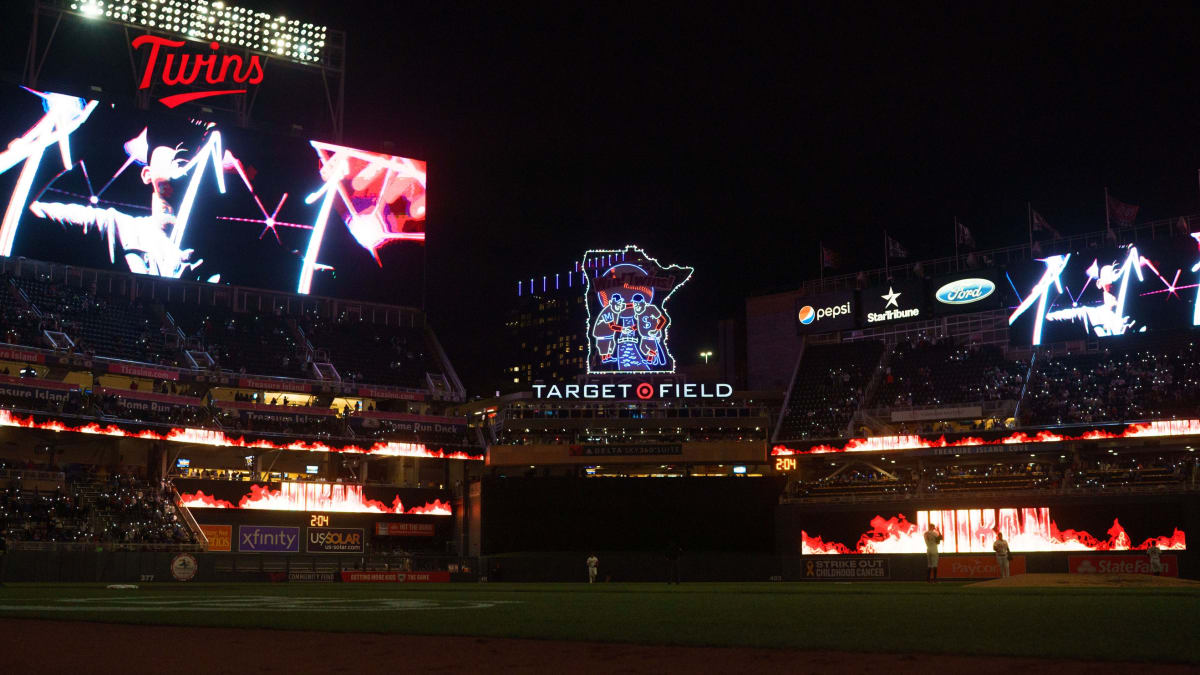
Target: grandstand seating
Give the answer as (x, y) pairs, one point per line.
(1141, 377)
(106, 326)
(1045, 472)
(943, 373)
(90, 508)
(268, 342)
(263, 344)
(367, 352)
(828, 388)
(1151, 376)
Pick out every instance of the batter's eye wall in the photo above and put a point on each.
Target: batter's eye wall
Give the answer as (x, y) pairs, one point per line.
(629, 514)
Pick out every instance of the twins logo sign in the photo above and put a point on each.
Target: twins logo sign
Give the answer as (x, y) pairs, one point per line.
(628, 324)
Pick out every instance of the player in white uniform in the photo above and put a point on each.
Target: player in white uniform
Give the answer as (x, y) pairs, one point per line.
(932, 539)
(1002, 554)
(592, 566)
(1154, 554)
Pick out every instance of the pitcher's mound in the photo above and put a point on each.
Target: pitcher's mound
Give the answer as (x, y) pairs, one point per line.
(1087, 581)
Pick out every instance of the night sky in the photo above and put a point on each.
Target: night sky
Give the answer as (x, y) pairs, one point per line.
(734, 140)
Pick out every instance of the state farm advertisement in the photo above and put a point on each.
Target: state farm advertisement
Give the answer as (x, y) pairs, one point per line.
(976, 566)
(1120, 564)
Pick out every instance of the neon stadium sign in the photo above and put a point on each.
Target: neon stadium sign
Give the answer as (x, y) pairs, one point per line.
(628, 324)
(643, 390)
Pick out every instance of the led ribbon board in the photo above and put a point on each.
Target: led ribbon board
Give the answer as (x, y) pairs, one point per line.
(974, 530)
(628, 324)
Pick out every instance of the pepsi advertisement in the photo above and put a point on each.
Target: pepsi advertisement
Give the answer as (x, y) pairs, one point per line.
(825, 313)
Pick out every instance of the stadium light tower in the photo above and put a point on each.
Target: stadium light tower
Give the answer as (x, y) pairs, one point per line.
(204, 21)
(277, 39)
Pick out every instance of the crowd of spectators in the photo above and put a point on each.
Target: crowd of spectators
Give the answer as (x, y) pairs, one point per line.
(1142, 378)
(828, 388)
(118, 508)
(926, 372)
(1099, 472)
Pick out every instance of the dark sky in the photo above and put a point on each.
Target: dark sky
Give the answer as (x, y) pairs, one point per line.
(733, 140)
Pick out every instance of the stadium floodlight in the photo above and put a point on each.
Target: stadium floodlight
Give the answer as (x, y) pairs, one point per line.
(207, 21)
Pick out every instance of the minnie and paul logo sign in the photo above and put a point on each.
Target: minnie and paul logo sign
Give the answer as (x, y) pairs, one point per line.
(628, 325)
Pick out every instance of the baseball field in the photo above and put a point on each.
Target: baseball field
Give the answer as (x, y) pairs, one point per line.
(1148, 623)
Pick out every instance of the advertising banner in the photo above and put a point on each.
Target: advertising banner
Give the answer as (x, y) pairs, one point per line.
(897, 301)
(626, 450)
(287, 414)
(32, 389)
(1128, 563)
(826, 313)
(976, 566)
(395, 577)
(220, 537)
(17, 354)
(972, 291)
(322, 577)
(385, 392)
(846, 568)
(153, 372)
(409, 423)
(268, 539)
(334, 540)
(404, 529)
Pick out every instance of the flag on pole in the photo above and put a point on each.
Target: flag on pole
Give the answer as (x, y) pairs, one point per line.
(962, 236)
(894, 249)
(829, 259)
(1121, 213)
(1040, 225)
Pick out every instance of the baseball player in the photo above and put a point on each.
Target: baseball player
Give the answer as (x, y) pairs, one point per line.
(1002, 554)
(1154, 553)
(932, 539)
(592, 566)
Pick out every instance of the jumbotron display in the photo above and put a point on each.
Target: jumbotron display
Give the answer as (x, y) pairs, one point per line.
(626, 298)
(183, 199)
(1105, 293)
(974, 531)
(324, 497)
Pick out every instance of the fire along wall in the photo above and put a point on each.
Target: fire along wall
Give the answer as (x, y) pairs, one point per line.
(1032, 525)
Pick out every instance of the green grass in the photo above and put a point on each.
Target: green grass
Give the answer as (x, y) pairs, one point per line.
(1162, 624)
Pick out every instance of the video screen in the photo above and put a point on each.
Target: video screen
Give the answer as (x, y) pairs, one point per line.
(304, 496)
(94, 185)
(974, 530)
(1104, 293)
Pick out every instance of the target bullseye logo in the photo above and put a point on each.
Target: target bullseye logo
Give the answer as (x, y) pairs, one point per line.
(644, 391)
